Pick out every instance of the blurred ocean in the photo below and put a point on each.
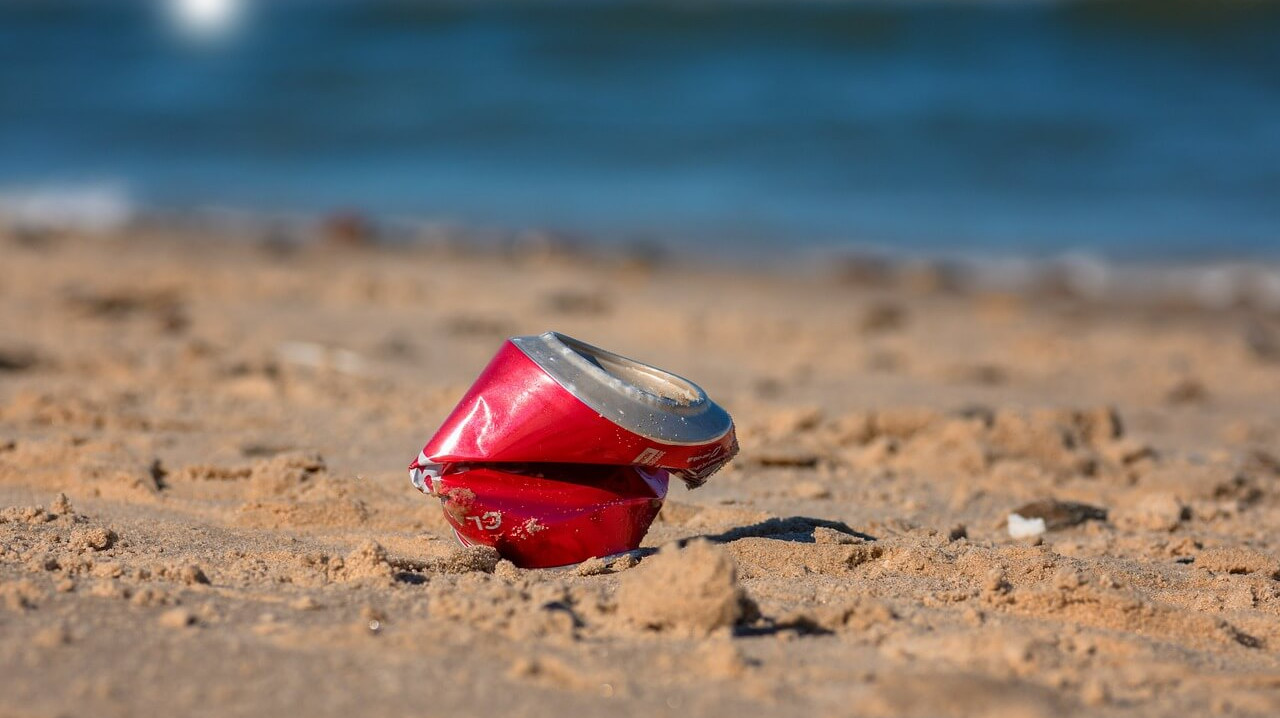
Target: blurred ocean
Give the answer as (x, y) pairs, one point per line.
(1125, 129)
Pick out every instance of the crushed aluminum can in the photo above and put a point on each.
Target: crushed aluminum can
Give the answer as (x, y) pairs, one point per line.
(562, 451)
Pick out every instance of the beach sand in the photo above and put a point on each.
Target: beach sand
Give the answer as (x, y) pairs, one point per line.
(206, 509)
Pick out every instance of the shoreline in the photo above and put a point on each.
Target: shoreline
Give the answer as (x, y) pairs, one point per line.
(1210, 283)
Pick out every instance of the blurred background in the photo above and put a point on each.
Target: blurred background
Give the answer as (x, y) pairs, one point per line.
(1120, 128)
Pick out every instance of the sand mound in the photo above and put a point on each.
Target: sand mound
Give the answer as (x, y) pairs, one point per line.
(692, 590)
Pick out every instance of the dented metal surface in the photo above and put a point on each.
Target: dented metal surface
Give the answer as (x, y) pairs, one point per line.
(561, 451)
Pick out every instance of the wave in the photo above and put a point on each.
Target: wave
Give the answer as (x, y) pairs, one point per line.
(93, 207)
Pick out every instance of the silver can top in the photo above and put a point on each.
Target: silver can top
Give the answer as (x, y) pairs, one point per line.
(640, 398)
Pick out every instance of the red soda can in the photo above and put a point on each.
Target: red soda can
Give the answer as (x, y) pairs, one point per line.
(562, 451)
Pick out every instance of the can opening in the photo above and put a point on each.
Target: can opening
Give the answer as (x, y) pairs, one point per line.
(650, 380)
(639, 398)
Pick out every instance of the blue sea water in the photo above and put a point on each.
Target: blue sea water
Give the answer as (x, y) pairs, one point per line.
(1123, 128)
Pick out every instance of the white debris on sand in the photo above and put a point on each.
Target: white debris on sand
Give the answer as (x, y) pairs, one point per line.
(1020, 527)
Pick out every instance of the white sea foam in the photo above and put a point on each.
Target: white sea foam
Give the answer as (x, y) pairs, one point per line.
(98, 207)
